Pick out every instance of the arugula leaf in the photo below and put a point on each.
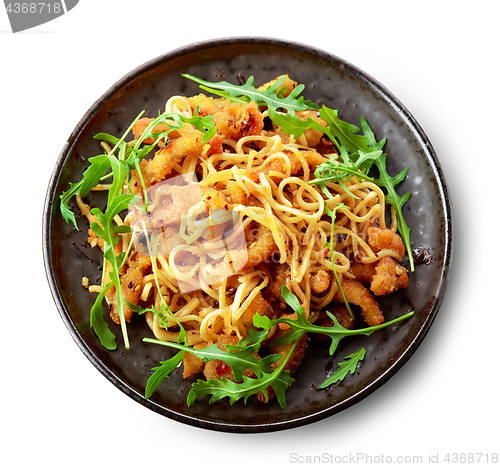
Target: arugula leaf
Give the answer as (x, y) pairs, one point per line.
(363, 151)
(239, 358)
(347, 366)
(132, 155)
(368, 132)
(99, 165)
(332, 213)
(242, 356)
(396, 201)
(110, 233)
(279, 380)
(161, 372)
(247, 92)
(98, 324)
(344, 131)
(301, 325)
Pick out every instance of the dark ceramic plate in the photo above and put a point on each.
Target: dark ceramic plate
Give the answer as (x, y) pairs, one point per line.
(328, 80)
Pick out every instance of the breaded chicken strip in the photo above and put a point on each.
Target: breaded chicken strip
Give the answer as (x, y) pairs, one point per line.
(357, 294)
(232, 120)
(383, 277)
(158, 168)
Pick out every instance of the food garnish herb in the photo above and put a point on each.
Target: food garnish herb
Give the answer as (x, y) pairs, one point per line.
(357, 156)
(348, 365)
(121, 166)
(241, 356)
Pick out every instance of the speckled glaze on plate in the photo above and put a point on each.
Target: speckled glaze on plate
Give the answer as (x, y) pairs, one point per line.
(329, 80)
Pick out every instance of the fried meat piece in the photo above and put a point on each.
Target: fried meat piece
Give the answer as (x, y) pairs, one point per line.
(389, 277)
(320, 282)
(237, 194)
(278, 281)
(262, 248)
(343, 317)
(313, 137)
(162, 164)
(383, 277)
(292, 364)
(217, 369)
(206, 105)
(364, 272)
(191, 363)
(313, 159)
(357, 294)
(385, 239)
(259, 305)
(131, 290)
(232, 120)
(141, 125)
(297, 354)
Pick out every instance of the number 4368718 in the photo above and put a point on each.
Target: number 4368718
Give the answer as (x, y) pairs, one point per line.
(34, 8)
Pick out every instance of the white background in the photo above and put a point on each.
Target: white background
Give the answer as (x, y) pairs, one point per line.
(440, 58)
